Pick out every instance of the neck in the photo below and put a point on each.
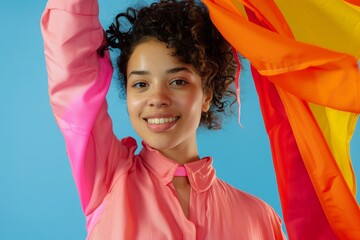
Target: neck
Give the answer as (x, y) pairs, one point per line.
(182, 155)
(180, 182)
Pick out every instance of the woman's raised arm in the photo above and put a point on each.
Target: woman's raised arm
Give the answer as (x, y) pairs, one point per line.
(78, 83)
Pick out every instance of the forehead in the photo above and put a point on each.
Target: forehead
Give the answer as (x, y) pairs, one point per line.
(152, 54)
(153, 57)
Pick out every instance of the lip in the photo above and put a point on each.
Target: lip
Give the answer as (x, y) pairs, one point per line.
(159, 115)
(160, 127)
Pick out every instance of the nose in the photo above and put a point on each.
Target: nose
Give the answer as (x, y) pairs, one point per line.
(159, 97)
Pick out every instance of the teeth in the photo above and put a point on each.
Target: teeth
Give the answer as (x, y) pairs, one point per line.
(161, 120)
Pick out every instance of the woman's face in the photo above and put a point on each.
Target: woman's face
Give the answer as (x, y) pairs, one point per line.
(164, 98)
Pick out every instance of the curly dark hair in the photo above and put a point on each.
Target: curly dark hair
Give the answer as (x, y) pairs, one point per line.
(186, 28)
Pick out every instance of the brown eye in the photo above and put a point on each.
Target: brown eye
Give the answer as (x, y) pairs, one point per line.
(140, 85)
(178, 82)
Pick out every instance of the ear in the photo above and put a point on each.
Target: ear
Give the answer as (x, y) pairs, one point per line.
(206, 101)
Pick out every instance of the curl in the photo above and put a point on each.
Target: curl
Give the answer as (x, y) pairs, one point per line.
(186, 28)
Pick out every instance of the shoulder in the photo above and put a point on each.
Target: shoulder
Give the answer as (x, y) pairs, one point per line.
(122, 155)
(251, 211)
(228, 189)
(129, 142)
(243, 201)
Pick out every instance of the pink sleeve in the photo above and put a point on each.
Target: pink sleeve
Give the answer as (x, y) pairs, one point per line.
(78, 83)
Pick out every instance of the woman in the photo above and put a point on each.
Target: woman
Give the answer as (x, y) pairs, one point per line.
(176, 69)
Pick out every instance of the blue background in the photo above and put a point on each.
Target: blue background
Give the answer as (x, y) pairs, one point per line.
(38, 199)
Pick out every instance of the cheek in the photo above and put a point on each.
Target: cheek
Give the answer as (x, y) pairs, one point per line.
(194, 102)
(133, 105)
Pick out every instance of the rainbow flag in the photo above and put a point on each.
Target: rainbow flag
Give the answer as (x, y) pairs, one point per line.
(304, 59)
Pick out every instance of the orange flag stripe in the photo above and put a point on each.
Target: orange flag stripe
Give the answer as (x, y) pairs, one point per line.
(301, 74)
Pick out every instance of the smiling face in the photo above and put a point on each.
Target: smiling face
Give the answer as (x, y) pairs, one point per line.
(165, 100)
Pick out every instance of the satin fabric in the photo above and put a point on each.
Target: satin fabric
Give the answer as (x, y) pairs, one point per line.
(304, 62)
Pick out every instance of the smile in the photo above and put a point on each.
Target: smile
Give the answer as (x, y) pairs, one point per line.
(161, 120)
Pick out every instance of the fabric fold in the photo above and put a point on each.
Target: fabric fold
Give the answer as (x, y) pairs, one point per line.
(309, 93)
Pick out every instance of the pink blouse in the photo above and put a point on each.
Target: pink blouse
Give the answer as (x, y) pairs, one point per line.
(126, 195)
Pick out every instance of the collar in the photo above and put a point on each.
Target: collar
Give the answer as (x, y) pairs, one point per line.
(201, 173)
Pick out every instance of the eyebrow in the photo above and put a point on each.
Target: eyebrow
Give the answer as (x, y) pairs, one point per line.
(178, 69)
(169, 71)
